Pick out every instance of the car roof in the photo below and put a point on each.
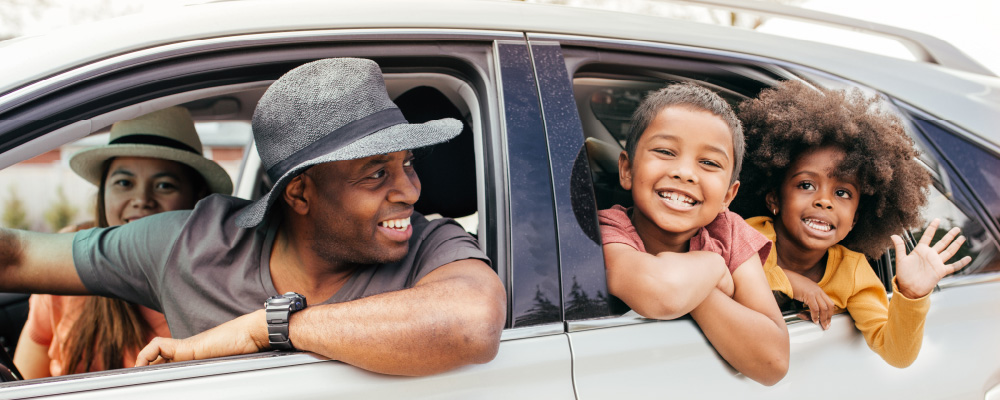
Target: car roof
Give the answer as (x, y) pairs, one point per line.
(968, 100)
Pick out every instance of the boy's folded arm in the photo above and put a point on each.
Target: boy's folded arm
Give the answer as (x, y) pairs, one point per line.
(750, 316)
(664, 286)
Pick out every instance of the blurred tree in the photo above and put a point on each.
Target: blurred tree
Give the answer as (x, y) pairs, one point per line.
(61, 212)
(14, 215)
(16, 16)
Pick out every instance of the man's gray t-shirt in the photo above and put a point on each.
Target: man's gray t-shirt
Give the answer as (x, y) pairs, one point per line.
(200, 269)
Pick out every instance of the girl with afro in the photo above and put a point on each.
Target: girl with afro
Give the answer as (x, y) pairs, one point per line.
(832, 179)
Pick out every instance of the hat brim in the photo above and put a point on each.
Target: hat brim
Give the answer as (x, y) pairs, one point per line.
(388, 140)
(87, 163)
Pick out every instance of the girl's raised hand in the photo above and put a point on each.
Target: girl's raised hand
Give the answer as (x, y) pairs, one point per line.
(918, 272)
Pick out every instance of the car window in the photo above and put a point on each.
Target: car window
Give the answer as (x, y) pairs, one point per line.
(44, 194)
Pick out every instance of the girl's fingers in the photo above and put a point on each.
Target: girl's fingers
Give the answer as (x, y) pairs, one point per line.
(900, 247)
(948, 237)
(950, 252)
(958, 265)
(929, 232)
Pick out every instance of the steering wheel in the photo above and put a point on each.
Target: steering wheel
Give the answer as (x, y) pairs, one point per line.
(8, 372)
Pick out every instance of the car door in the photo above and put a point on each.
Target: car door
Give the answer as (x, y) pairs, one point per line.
(626, 356)
(489, 74)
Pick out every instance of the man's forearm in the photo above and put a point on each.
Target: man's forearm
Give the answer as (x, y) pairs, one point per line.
(454, 320)
(38, 263)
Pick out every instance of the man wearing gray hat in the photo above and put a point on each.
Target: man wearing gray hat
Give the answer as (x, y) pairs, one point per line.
(366, 280)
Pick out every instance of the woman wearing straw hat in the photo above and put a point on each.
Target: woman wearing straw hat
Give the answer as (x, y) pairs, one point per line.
(152, 164)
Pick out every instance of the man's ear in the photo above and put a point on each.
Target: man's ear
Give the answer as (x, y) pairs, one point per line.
(771, 199)
(624, 171)
(295, 194)
(731, 193)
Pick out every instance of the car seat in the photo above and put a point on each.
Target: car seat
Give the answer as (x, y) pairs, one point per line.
(447, 171)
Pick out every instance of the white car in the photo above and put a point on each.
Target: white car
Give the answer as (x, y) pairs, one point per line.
(545, 92)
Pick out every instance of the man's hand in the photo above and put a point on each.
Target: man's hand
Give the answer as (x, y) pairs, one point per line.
(243, 335)
(809, 293)
(918, 272)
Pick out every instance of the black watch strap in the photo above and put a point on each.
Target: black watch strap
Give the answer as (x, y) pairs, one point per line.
(278, 309)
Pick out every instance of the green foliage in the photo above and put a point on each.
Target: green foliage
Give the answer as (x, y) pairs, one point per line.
(61, 212)
(14, 215)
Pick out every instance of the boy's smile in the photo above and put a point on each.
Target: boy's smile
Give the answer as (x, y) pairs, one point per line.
(816, 209)
(680, 176)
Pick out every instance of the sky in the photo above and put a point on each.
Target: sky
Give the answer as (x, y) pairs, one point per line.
(970, 25)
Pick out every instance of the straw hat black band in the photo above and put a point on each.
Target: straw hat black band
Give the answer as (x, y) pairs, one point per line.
(154, 140)
(339, 138)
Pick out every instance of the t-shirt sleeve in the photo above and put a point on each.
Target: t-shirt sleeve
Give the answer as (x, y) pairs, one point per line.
(747, 241)
(446, 242)
(128, 261)
(616, 227)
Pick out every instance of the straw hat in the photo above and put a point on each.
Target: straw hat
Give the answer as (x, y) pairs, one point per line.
(330, 110)
(166, 134)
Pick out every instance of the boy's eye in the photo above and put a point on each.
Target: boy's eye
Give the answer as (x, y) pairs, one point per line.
(664, 152)
(712, 163)
(843, 193)
(805, 186)
(124, 183)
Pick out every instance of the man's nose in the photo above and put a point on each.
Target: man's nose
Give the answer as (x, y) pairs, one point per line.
(406, 189)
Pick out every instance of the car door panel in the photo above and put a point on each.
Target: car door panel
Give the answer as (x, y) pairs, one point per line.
(540, 365)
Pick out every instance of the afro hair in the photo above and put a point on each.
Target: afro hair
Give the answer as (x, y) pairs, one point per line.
(785, 121)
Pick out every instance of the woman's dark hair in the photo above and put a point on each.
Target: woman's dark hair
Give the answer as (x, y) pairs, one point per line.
(111, 327)
(693, 97)
(785, 121)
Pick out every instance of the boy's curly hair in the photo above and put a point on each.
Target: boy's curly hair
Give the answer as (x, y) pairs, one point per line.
(785, 121)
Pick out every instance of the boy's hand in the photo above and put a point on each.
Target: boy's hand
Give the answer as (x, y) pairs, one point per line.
(918, 272)
(809, 293)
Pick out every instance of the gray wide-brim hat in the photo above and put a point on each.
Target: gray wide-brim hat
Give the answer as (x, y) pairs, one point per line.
(334, 109)
(167, 134)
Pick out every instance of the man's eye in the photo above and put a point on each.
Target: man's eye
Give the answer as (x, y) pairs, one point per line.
(408, 162)
(378, 174)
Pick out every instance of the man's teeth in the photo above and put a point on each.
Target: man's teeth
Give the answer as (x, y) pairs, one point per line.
(818, 225)
(397, 224)
(677, 197)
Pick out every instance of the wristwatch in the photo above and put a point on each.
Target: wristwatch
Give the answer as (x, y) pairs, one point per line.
(278, 309)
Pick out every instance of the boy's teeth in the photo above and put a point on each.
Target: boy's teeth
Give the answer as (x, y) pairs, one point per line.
(674, 196)
(397, 224)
